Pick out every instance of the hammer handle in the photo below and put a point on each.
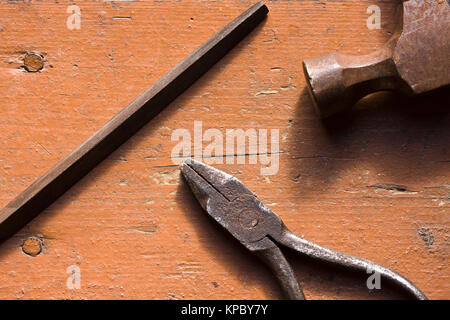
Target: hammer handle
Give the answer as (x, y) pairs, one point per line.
(337, 81)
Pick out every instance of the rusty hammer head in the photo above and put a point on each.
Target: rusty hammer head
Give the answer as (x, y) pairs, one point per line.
(415, 60)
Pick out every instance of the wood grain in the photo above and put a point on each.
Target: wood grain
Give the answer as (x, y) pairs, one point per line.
(51, 185)
(374, 183)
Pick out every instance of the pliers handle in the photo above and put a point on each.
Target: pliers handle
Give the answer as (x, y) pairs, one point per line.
(277, 262)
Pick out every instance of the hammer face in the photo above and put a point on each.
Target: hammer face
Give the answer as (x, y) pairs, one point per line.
(325, 79)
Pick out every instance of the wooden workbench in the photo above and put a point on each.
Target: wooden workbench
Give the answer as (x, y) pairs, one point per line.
(374, 183)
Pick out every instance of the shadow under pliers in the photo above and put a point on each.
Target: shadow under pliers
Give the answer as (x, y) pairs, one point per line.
(259, 229)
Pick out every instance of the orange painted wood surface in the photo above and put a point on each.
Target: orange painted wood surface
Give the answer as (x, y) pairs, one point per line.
(373, 183)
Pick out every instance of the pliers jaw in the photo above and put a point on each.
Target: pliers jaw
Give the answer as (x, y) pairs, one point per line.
(202, 178)
(232, 205)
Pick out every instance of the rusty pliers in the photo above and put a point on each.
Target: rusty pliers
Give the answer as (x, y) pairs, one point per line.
(240, 212)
